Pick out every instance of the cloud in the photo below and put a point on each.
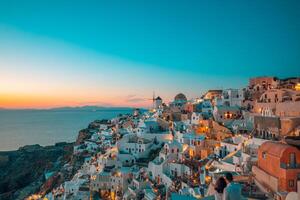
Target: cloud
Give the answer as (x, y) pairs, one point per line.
(135, 99)
(131, 96)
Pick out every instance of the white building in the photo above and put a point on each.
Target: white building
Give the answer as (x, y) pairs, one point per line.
(232, 97)
(195, 118)
(71, 188)
(111, 179)
(190, 138)
(139, 147)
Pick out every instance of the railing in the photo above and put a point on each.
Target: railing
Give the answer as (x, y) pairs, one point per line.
(266, 137)
(288, 166)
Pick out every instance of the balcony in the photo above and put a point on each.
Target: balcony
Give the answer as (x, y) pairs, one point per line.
(273, 137)
(289, 166)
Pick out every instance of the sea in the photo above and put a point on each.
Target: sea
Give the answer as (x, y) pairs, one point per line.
(47, 127)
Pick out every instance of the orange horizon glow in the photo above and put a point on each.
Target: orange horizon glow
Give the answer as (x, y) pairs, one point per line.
(18, 101)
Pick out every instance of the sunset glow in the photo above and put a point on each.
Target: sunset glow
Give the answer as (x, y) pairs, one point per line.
(157, 99)
(104, 56)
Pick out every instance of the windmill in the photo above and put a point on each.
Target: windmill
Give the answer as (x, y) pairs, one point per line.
(153, 100)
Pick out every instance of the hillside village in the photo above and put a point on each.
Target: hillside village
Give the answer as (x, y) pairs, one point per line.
(177, 150)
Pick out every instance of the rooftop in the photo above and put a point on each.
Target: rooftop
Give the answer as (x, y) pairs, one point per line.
(180, 97)
(176, 196)
(275, 148)
(231, 108)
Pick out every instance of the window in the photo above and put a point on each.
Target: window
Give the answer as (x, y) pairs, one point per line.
(227, 115)
(292, 160)
(291, 183)
(264, 155)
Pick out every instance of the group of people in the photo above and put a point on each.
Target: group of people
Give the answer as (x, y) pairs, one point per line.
(227, 189)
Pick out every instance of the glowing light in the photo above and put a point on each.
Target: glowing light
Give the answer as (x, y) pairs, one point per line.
(112, 195)
(184, 147)
(297, 87)
(207, 179)
(34, 197)
(191, 153)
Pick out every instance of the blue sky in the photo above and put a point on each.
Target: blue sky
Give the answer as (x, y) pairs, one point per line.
(121, 49)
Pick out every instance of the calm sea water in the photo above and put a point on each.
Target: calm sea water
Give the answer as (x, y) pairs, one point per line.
(46, 127)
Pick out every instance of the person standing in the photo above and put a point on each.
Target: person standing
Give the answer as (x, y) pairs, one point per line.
(233, 191)
(219, 188)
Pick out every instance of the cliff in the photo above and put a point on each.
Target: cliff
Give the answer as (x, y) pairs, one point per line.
(22, 172)
(83, 135)
(34, 169)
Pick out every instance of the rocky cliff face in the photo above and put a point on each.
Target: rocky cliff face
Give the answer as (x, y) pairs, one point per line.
(22, 172)
(83, 135)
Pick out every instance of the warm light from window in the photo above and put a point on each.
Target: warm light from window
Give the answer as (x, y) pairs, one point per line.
(297, 87)
(191, 153)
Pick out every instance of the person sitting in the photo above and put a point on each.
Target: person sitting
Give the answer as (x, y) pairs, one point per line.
(233, 191)
(219, 188)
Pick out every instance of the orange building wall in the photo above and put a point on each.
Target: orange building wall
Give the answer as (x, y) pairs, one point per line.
(271, 165)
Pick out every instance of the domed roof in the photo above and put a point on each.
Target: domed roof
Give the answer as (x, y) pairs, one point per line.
(180, 97)
(275, 148)
(158, 98)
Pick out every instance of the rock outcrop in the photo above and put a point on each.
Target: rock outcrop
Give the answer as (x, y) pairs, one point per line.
(22, 172)
(83, 135)
(26, 171)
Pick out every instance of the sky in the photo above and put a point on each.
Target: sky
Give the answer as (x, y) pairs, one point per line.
(116, 53)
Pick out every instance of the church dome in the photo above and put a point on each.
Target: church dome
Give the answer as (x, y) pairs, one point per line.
(180, 97)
